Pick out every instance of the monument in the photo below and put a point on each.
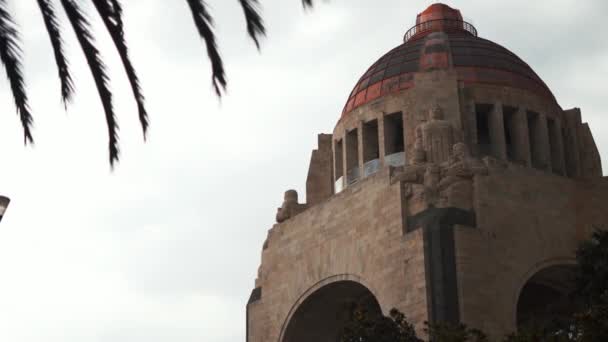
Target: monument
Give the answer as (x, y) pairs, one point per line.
(477, 189)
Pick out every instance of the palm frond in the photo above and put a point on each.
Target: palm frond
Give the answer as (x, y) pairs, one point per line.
(82, 29)
(111, 14)
(10, 55)
(204, 24)
(117, 8)
(255, 23)
(53, 29)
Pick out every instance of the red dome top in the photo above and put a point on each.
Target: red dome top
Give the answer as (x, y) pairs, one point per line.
(476, 60)
(438, 11)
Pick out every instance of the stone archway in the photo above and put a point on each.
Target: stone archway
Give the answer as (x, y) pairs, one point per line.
(546, 297)
(323, 314)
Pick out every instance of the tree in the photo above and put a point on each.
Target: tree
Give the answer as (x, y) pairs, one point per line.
(111, 14)
(446, 332)
(592, 287)
(362, 327)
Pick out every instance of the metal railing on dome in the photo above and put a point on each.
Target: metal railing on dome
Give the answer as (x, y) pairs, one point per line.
(440, 25)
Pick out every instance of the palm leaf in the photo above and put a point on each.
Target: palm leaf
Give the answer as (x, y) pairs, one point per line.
(82, 29)
(255, 23)
(10, 55)
(52, 27)
(204, 24)
(307, 3)
(111, 14)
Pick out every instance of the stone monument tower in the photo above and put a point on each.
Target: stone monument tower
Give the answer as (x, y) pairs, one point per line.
(454, 188)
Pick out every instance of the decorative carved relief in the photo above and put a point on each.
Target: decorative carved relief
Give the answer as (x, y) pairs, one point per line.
(456, 186)
(449, 184)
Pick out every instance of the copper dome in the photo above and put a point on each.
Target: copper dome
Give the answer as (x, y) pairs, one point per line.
(442, 40)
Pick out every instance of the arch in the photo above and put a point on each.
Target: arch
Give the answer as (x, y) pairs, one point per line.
(544, 293)
(323, 299)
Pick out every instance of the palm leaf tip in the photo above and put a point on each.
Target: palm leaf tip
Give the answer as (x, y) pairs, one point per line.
(110, 12)
(255, 23)
(204, 24)
(52, 26)
(82, 29)
(10, 55)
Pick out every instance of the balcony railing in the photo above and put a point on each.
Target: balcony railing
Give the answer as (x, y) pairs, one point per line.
(448, 25)
(353, 175)
(395, 159)
(371, 167)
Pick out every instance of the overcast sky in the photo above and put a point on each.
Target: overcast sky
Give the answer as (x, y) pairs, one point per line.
(166, 247)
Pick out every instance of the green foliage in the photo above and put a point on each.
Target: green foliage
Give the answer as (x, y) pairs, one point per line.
(364, 327)
(592, 259)
(447, 332)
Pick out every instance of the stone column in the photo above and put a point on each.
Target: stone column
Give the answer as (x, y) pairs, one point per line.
(344, 166)
(360, 156)
(470, 127)
(497, 132)
(404, 132)
(521, 138)
(338, 158)
(381, 139)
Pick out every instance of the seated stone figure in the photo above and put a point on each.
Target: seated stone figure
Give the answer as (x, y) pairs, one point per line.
(456, 187)
(290, 207)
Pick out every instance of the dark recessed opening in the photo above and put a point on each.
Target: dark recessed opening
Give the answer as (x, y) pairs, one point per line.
(508, 116)
(371, 149)
(482, 116)
(393, 134)
(352, 156)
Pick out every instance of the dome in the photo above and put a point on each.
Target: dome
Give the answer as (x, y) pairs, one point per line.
(442, 40)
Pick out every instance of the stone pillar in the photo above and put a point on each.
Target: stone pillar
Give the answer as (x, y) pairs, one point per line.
(319, 182)
(404, 132)
(497, 132)
(521, 138)
(544, 149)
(360, 156)
(381, 139)
(338, 158)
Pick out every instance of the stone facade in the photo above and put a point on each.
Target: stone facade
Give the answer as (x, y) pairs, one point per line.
(446, 198)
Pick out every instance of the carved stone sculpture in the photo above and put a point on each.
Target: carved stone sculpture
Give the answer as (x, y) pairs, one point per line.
(432, 176)
(456, 187)
(436, 136)
(290, 207)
